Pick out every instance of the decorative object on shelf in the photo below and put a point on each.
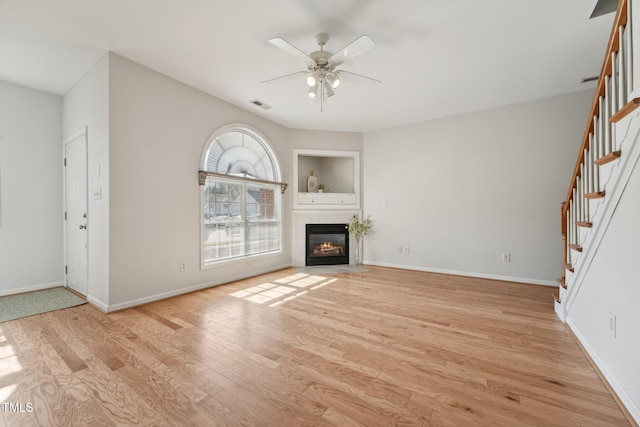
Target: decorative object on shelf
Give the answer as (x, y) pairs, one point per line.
(321, 188)
(312, 183)
(359, 229)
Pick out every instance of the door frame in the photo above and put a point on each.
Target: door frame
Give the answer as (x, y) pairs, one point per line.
(81, 133)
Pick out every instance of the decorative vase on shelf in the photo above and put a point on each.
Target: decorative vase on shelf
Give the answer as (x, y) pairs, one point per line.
(312, 183)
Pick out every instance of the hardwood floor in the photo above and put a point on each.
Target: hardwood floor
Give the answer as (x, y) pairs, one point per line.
(388, 347)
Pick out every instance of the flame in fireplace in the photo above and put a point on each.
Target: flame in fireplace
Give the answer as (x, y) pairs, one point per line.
(328, 249)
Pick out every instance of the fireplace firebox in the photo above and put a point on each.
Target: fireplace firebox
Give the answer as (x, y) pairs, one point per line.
(327, 244)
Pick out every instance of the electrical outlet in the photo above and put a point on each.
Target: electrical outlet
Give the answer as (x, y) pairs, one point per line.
(405, 250)
(183, 265)
(399, 249)
(506, 257)
(612, 324)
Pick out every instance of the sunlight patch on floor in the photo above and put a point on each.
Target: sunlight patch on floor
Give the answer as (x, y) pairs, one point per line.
(277, 293)
(9, 365)
(291, 278)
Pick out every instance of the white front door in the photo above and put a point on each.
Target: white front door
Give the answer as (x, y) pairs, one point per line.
(75, 151)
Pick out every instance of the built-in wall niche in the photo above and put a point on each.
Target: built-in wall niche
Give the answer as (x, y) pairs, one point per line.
(338, 171)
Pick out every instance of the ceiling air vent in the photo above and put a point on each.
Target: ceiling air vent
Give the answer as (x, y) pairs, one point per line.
(261, 104)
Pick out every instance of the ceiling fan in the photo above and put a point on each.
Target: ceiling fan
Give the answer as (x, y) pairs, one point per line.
(322, 75)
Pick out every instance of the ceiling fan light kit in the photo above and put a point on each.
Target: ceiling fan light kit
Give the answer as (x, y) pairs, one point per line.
(322, 77)
(311, 79)
(334, 80)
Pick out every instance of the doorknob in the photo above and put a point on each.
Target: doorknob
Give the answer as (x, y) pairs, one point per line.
(83, 227)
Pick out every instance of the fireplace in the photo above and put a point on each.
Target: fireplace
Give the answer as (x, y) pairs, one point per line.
(327, 244)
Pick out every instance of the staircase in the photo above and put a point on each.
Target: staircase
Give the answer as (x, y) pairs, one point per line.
(605, 166)
(606, 152)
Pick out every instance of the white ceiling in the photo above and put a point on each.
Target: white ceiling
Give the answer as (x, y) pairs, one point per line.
(436, 58)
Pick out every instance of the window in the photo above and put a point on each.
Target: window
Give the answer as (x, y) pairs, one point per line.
(241, 197)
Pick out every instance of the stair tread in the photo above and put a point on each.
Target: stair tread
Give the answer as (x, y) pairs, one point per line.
(608, 158)
(561, 282)
(595, 195)
(625, 110)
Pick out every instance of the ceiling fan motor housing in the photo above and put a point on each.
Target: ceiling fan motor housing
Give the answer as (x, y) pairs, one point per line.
(321, 59)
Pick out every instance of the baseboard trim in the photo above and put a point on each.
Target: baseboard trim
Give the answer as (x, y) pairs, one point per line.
(621, 397)
(157, 297)
(100, 305)
(25, 289)
(466, 274)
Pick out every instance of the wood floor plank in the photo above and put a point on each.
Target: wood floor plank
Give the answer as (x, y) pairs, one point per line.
(66, 353)
(73, 324)
(121, 403)
(245, 408)
(159, 318)
(386, 347)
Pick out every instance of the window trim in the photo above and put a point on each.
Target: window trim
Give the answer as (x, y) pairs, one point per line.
(202, 176)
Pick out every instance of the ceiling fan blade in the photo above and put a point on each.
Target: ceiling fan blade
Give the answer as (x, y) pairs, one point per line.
(287, 76)
(349, 75)
(290, 49)
(603, 7)
(353, 49)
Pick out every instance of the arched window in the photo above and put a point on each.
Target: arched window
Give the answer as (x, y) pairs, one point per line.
(241, 196)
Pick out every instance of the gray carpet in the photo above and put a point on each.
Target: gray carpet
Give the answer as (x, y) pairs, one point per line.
(331, 269)
(30, 303)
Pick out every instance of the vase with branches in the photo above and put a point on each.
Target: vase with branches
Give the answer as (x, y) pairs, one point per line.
(359, 229)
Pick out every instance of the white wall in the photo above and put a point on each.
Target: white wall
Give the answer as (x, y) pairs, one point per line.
(30, 189)
(158, 131)
(611, 286)
(87, 105)
(324, 140)
(464, 189)
(337, 174)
